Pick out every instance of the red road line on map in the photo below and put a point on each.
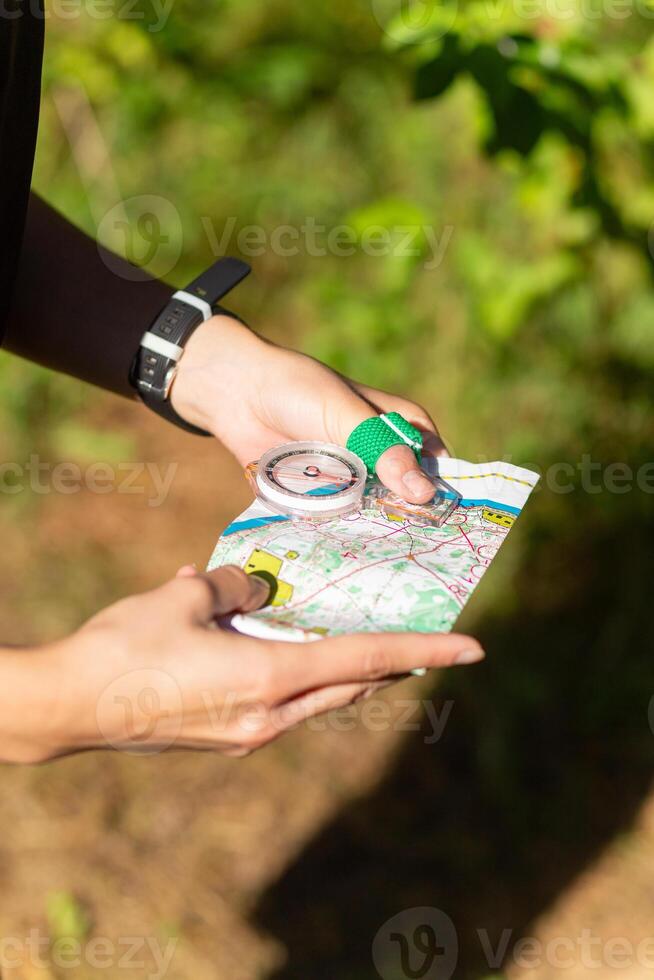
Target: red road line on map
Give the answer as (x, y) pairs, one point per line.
(472, 547)
(382, 561)
(355, 571)
(383, 537)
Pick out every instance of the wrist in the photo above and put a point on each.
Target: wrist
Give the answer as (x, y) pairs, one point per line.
(217, 363)
(32, 706)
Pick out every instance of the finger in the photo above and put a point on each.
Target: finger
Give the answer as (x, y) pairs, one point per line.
(186, 571)
(398, 469)
(372, 657)
(209, 595)
(384, 401)
(315, 703)
(433, 445)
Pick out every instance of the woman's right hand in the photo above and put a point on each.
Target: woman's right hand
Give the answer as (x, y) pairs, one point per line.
(155, 672)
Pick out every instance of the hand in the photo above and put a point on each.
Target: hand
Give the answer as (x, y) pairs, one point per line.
(155, 672)
(253, 395)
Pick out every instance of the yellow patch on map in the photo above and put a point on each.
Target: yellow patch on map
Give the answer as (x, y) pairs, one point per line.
(283, 595)
(263, 561)
(495, 517)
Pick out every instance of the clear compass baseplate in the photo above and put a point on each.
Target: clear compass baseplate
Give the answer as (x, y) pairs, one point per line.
(318, 481)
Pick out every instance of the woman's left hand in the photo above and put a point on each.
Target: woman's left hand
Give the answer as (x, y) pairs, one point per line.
(253, 395)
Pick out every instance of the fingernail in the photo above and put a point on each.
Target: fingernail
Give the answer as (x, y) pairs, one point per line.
(472, 656)
(417, 484)
(261, 587)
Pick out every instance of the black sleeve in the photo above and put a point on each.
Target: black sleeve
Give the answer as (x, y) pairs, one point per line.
(76, 307)
(21, 50)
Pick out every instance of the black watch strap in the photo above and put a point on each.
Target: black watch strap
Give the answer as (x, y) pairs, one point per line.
(155, 365)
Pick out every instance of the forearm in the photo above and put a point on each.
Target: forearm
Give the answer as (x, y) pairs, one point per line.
(31, 682)
(72, 310)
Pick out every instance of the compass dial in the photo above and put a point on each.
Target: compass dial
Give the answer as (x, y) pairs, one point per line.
(311, 477)
(314, 474)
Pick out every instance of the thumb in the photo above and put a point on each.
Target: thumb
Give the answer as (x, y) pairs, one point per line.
(342, 409)
(398, 469)
(207, 596)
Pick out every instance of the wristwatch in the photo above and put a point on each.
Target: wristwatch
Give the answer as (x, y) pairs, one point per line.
(156, 362)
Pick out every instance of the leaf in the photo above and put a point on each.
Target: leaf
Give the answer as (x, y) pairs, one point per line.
(517, 114)
(435, 76)
(519, 121)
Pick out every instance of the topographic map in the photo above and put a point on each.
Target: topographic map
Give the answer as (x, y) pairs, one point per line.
(370, 573)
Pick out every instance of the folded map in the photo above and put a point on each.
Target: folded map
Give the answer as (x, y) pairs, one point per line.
(370, 573)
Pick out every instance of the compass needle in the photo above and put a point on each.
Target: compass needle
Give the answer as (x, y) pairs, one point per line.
(310, 480)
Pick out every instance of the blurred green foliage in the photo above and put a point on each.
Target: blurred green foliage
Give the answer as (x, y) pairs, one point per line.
(579, 83)
(514, 139)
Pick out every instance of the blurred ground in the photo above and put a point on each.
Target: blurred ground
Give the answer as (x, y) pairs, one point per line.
(531, 814)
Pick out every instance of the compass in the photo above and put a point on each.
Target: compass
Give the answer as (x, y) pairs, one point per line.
(310, 480)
